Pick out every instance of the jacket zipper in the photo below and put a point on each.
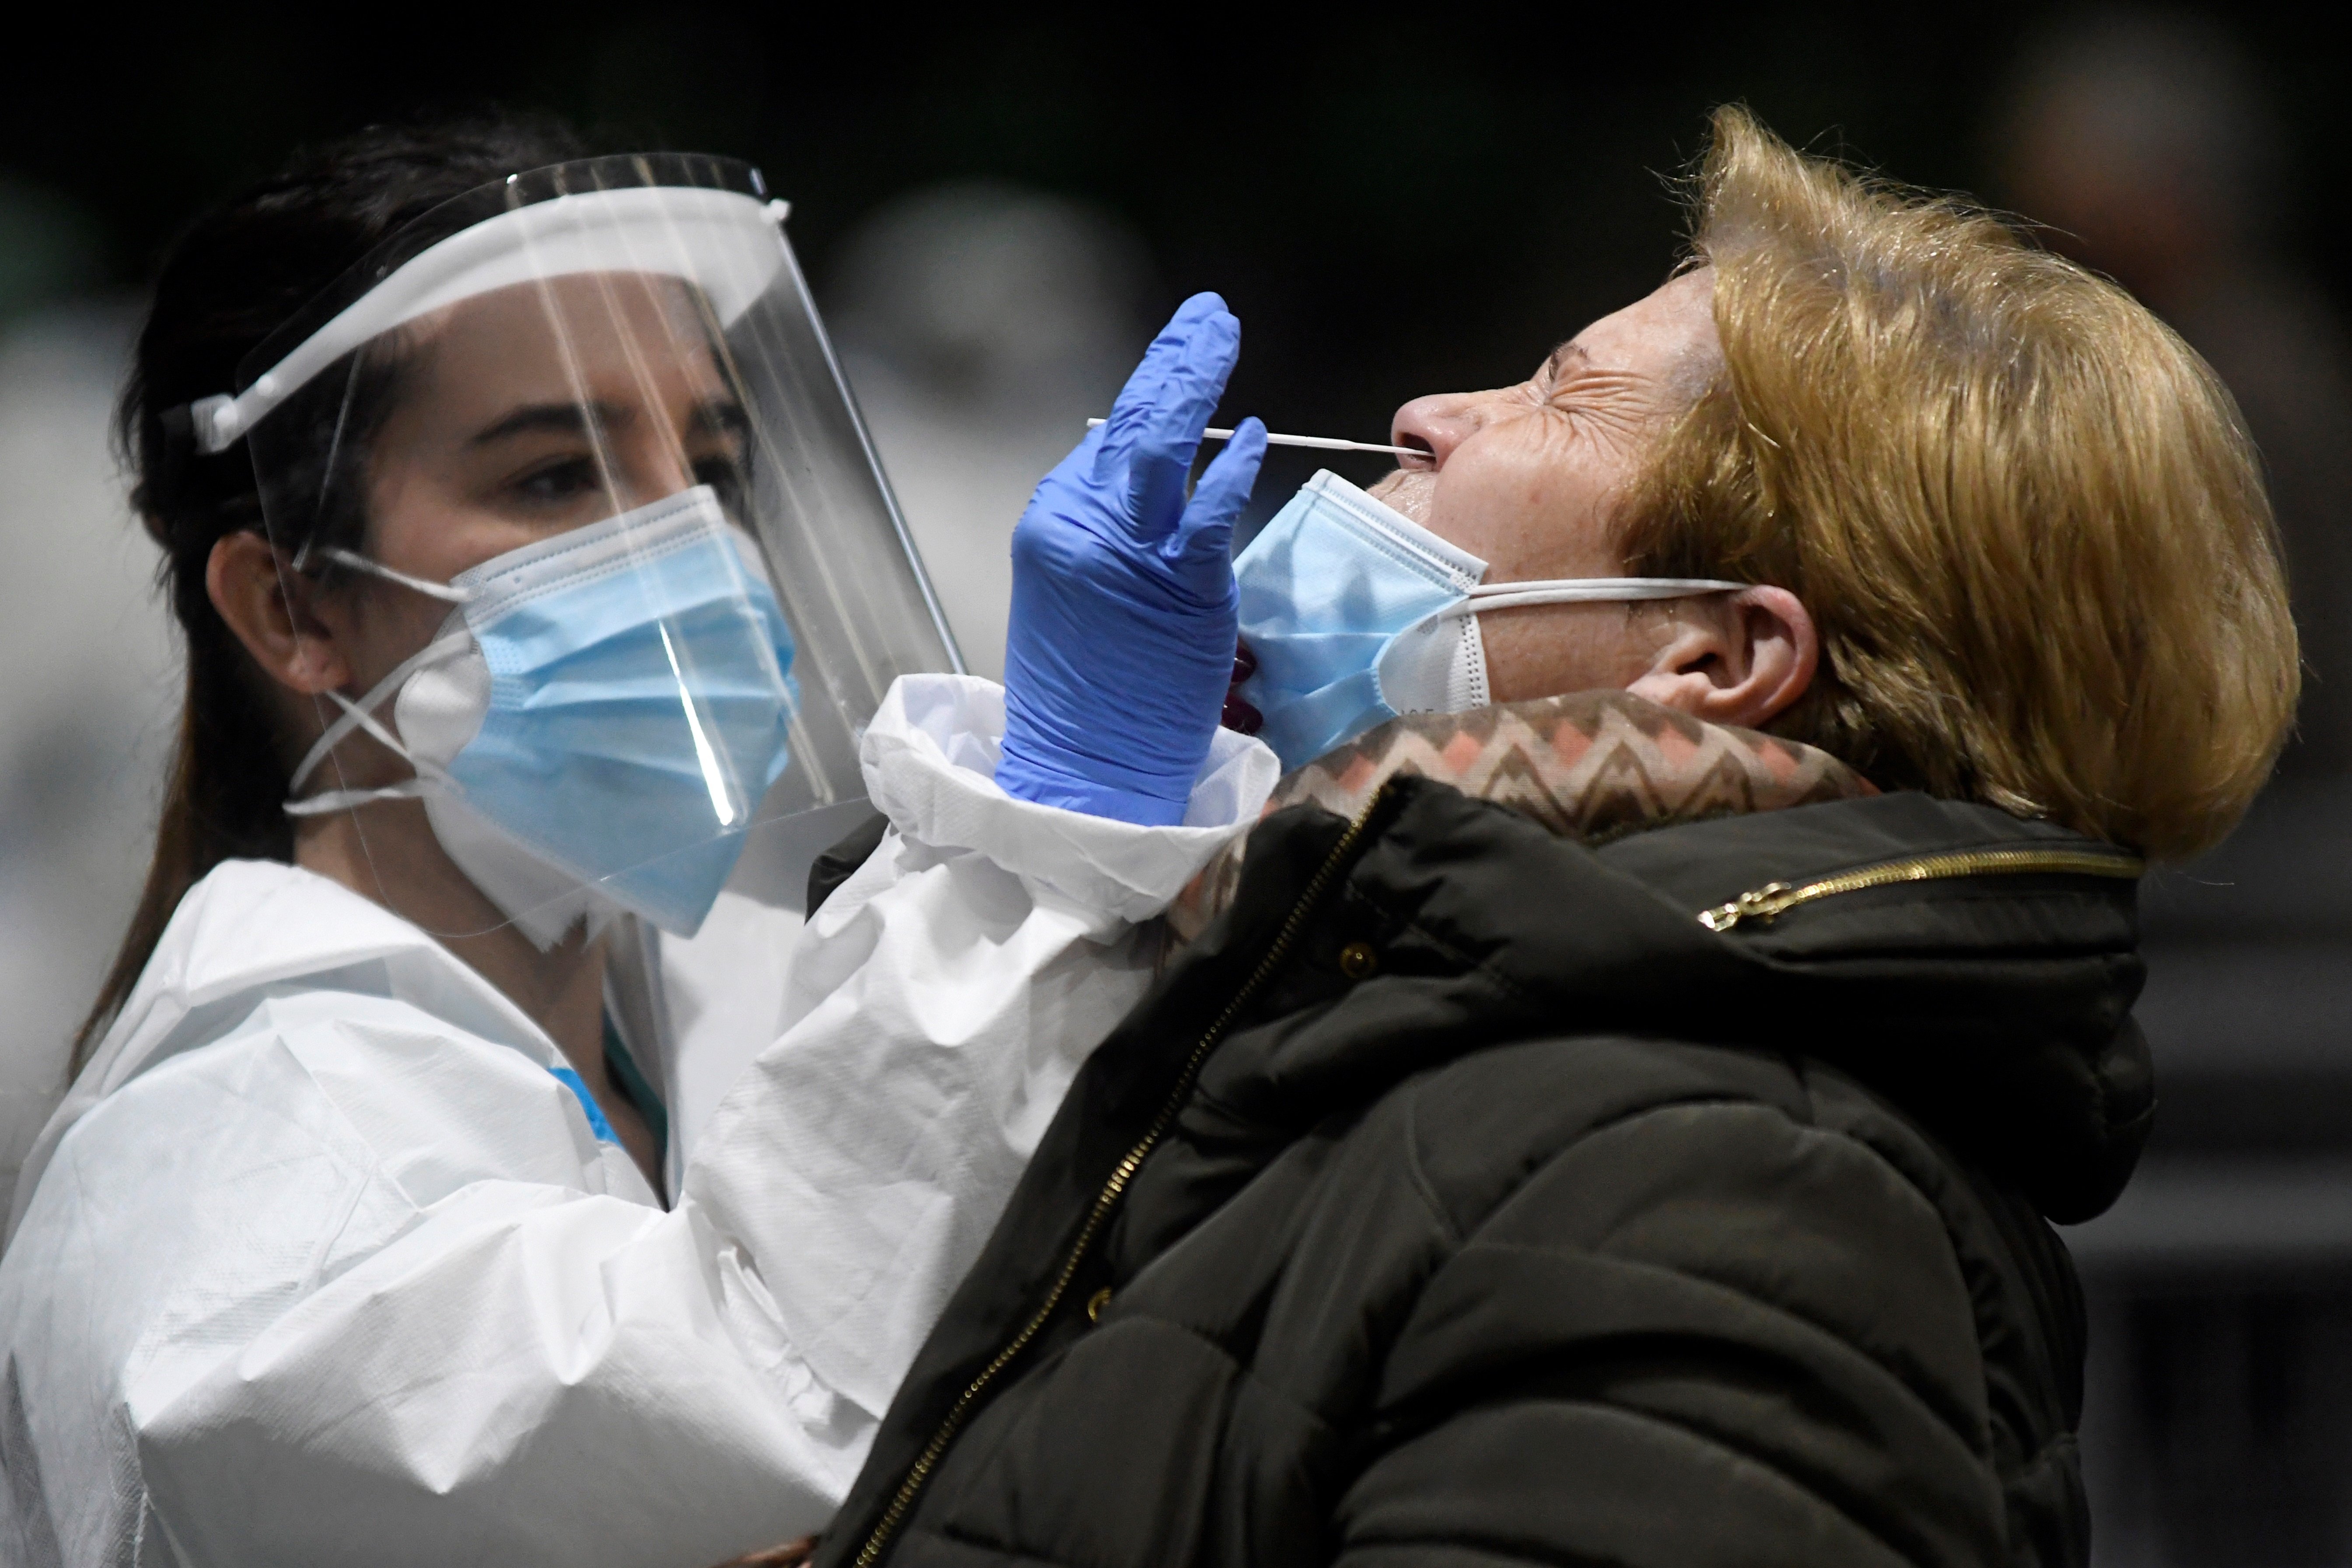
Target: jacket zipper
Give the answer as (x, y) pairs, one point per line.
(1774, 900)
(1108, 1198)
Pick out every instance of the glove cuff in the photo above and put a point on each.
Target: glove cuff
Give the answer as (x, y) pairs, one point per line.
(1025, 776)
(929, 759)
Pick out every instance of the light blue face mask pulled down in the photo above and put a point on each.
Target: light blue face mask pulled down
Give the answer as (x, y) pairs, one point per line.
(597, 723)
(1357, 614)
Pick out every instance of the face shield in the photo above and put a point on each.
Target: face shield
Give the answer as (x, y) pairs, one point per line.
(571, 467)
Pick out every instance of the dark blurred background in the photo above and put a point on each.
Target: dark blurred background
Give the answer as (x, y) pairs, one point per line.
(997, 211)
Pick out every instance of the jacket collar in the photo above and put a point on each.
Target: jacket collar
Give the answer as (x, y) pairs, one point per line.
(1591, 765)
(1991, 1004)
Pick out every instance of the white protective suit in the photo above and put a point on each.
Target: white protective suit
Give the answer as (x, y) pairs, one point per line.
(321, 1264)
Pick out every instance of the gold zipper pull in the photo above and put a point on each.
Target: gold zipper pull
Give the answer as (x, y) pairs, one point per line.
(1776, 898)
(1755, 904)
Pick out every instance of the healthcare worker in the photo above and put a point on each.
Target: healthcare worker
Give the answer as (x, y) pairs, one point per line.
(541, 598)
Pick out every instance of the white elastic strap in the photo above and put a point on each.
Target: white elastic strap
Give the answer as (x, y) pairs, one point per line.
(344, 799)
(1589, 591)
(444, 591)
(360, 715)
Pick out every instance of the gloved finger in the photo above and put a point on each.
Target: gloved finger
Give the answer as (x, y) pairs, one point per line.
(1162, 455)
(1132, 412)
(1080, 460)
(1207, 530)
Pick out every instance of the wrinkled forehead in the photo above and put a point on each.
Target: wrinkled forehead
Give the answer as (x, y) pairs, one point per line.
(587, 337)
(1667, 335)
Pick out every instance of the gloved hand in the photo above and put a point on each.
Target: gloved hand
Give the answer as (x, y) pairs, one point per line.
(1124, 609)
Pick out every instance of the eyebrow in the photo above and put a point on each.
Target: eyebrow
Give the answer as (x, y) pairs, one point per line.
(562, 418)
(723, 416)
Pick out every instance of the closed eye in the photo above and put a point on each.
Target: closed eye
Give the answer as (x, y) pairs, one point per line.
(1562, 366)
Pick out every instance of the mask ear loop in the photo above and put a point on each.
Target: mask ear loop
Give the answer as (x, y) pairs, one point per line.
(444, 591)
(1472, 656)
(1589, 591)
(361, 715)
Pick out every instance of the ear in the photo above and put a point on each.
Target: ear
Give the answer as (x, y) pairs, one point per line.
(272, 610)
(1735, 658)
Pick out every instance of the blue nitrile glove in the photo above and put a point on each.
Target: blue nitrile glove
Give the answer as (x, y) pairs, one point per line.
(1124, 610)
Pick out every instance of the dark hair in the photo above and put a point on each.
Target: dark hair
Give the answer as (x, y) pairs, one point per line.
(235, 274)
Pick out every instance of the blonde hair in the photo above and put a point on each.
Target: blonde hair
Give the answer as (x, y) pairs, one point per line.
(2024, 515)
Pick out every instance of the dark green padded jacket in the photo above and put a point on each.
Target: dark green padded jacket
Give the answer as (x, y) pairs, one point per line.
(1462, 1196)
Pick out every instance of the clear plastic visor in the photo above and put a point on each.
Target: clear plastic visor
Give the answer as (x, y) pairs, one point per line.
(571, 491)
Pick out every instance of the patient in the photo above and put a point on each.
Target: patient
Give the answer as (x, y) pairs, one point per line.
(1616, 1120)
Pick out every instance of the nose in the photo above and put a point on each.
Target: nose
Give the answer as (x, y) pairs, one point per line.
(1436, 425)
(652, 467)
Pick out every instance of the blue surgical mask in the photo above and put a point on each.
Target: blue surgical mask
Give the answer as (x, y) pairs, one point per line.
(598, 720)
(1357, 614)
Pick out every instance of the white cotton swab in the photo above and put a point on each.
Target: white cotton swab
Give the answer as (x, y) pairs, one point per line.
(1320, 442)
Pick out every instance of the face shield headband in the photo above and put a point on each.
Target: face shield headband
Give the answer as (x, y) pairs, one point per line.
(723, 242)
